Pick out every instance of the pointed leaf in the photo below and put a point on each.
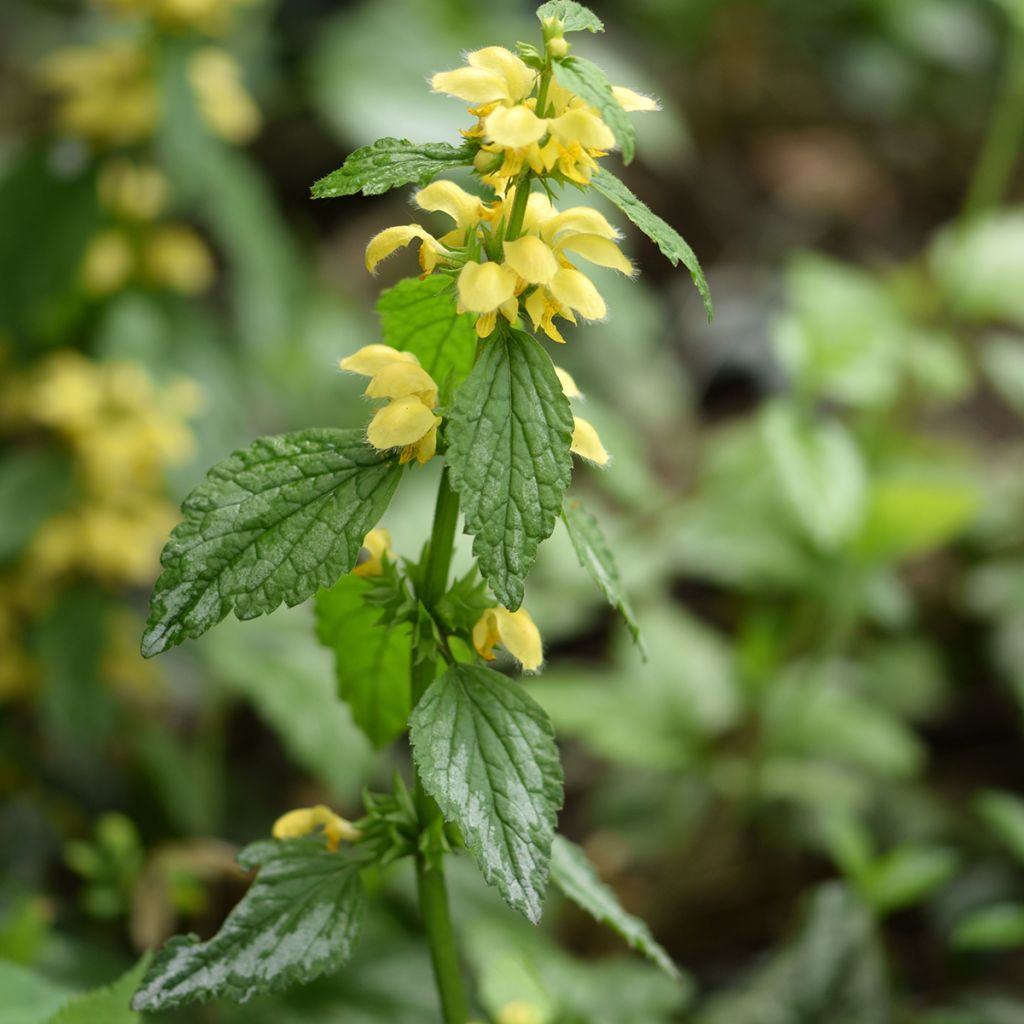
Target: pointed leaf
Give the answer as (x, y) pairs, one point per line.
(596, 557)
(108, 1005)
(418, 316)
(573, 16)
(672, 245)
(373, 660)
(301, 917)
(574, 875)
(390, 163)
(486, 753)
(584, 78)
(508, 435)
(274, 522)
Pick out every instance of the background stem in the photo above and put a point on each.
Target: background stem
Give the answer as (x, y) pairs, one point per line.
(1005, 134)
(433, 895)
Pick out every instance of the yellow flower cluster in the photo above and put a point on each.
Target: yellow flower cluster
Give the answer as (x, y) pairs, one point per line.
(166, 255)
(106, 93)
(211, 17)
(122, 432)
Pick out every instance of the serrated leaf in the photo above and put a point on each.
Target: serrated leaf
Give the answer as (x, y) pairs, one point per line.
(508, 434)
(573, 16)
(486, 753)
(274, 522)
(373, 661)
(672, 245)
(300, 917)
(108, 1005)
(574, 875)
(596, 557)
(418, 316)
(390, 163)
(584, 78)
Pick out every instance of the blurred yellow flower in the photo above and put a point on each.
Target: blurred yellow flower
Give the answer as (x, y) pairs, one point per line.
(175, 257)
(212, 17)
(132, 190)
(305, 820)
(585, 440)
(408, 421)
(108, 263)
(224, 103)
(515, 631)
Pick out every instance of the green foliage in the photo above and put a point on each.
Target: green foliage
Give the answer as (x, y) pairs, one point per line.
(1003, 813)
(109, 1005)
(584, 78)
(596, 557)
(486, 753)
(418, 316)
(388, 164)
(372, 658)
(274, 522)
(672, 245)
(999, 926)
(574, 875)
(573, 17)
(34, 485)
(28, 998)
(301, 917)
(508, 436)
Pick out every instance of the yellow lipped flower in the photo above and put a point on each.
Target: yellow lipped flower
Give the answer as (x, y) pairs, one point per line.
(175, 257)
(305, 820)
(486, 289)
(492, 75)
(585, 440)
(515, 631)
(408, 421)
(224, 103)
(377, 545)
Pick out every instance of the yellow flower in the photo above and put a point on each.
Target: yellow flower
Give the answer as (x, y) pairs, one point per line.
(105, 93)
(108, 263)
(515, 631)
(212, 17)
(175, 257)
(486, 289)
(585, 440)
(408, 421)
(134, 191)
(376, 544)
(224, 103)
(492, 75)
(519, 1011)
(304, 820)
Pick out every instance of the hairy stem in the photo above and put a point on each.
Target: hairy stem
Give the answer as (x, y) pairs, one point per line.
(518, 213)
(433, 896)
(1005, 134)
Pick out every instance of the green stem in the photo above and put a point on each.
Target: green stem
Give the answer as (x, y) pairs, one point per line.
(1005, 134)
(433, 896)
(515, 218)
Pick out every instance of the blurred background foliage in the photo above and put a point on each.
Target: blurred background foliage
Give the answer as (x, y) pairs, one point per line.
(813, 788)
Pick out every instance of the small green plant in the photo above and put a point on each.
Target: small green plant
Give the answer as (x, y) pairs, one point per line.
(462, 376)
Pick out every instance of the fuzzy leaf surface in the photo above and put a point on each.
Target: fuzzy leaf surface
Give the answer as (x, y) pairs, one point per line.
(508, 434)
(584, 78)
(575, 876)
(373, 660)
(573, 16)
(418, 316)
(274, 522)
(486, 753)
(672, 244)
(596, 557)
(390, 163)
(300, 918)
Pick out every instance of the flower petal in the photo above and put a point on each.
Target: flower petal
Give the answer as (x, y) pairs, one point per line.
(517, 76)
(514, 127)
(531, 259)
(575, 290)
(384, 244)
(569, 388)
(580, 220)
(586, 443)
(401, 379)
(483, 287)
(401, 422)
(371, 359)
(583, 126)
(376, 544)
(447, 197)
(520, 637)
(630, 100)
(602, 251)
(474, 85)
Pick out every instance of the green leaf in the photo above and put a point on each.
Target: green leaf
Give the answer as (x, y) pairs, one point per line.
(672, 245)
(418, 316)
(999, 926)
(34, 485)
(1004, 815)
(391, 163)
(108, 1005)
(486, 753)
(508, 434)
(274, 522)
(584, 78)
(28, 997)
(300, 918)
(596, 557)
(907, 875)
(573, 16)
(821, 472)
(373, 661)
(574, 875)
